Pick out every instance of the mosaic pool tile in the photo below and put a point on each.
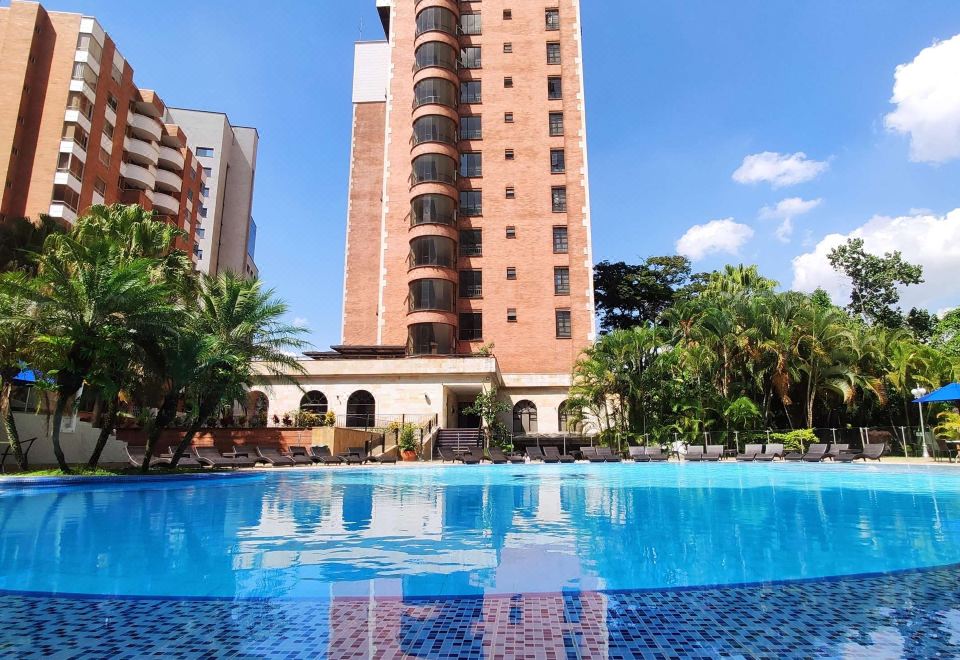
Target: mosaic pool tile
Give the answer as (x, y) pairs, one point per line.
(908, 615)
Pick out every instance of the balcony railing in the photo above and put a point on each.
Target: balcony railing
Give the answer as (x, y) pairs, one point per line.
(471, 249)
(471, 291)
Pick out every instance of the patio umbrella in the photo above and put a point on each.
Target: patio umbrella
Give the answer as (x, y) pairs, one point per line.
(949, 392)
(25, 377)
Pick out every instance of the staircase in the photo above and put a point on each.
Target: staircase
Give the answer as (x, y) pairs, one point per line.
(458, 439)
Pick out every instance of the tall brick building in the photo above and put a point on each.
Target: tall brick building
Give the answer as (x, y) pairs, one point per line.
(75, 130)
(469, 219)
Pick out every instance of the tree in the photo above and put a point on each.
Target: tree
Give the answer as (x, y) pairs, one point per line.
(874, 281)
(946, 333)
(635, 294)
(488, 407)
(17, 335)
(821, 298)
(21, 241)
(921, 323)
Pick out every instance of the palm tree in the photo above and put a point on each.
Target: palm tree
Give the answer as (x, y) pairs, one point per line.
(17, 333)
(21, 240)
(824, 351)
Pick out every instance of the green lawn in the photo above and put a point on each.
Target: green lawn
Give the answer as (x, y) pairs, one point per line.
(99, 472)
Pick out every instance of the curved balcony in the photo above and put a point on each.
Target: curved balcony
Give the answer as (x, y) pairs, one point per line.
(436, 91)
(166, 204)
(169, 181)
(140, 152)
(432, 252)
(435, 54)
(436, 19)
(433, 209)
(432, 338)
(144, 127)
(170, 158)
(434, 129)
(432, 295)
(140, 176)
(433, 168)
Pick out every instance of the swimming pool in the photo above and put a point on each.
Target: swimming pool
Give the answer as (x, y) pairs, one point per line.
(454, 536)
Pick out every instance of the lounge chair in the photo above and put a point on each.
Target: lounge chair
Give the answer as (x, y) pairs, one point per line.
(535, 453)
(274, 457)
(186, 461)
(446, 454)
(815, 453)
(772, 451)
(656, 454)
(553, 455)
(638, 454)
(871, 451)
(472, 456)
(300, 455)
(835, 450)
(351, 457)
(382, 459)
(322, 455)
(592, 454)
(942, 449)
(694, 453)
(212, 457)
(496, 456)
(137, 454)
(750, 453)
(714, 453)
(607, 455)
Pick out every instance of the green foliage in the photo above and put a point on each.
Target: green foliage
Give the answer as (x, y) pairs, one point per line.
(21, 241)
(821, 298)
(628, 295)
(406, 435)
(488, 407)
(796, 440)
(742, 413)
(946, 333)
(949, 426)
(875, 281)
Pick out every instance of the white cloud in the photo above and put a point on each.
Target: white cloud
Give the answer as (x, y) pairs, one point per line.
(713, 237)
(300, 322)
(779, 169)
(928, 240)
(785, 211)
(926, 92)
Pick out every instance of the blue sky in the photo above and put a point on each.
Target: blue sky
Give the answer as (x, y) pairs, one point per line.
(678, 95)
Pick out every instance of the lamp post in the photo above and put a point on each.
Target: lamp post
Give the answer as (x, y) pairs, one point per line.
(918, 392)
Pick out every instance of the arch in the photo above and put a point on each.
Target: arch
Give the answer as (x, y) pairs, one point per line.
(258, 408)
(361, 410)
(565, 423)
(525, 417)
(315, 402)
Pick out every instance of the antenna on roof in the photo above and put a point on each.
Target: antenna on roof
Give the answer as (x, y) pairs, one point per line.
(361, 28)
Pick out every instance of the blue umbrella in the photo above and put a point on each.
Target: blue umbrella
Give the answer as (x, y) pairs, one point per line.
(25, 376)
(949, 392)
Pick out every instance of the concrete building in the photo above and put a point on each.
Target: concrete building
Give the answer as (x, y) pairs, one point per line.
(226, 235)
(468, 222)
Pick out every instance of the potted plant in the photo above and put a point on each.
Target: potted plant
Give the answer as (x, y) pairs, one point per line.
(407, 442)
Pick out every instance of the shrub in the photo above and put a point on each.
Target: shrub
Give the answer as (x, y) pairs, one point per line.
(795, 440)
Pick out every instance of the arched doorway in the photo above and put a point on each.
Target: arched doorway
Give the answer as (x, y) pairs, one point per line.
(258, 407)
(315, 402)
(565, 419)
(524, 417)
(361, 410)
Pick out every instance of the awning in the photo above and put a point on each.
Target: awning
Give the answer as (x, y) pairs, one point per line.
(26, 376)
(949, 392)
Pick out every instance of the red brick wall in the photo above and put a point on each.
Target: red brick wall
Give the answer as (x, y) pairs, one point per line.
(223, 439)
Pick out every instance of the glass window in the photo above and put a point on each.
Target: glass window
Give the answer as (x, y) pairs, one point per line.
(202, 212)
(564, 330)
(471, 242)
(470, 57)
(190, 195)
(82, 71)
(508, 82)
(315, 402)
(558, 162)
(361, 410)
(87, 43)
(559, 195)
(471, 128)
(104, 157)
(436, 19)
(100, 187)
(561, 281)
(508, 154)
(553, 53)
(471, 202)
(66, 196)
(436, 53)
(108, 129)
(508, 117)
(432, 251)
(70, 163)
(470, 23)
(435, 90)
(471, 284)
(556, 123)
(511, 232)
(205, 152)
(511, 315)
(76, 133)
(117, 74)
(471, 326)
(80, 102)
(507, 14)
(431, 339)
(524, 418)
(507, 47)
(207, 171)
(470, 91)
(434, 128)
(553, 19)
(511, 272)
(560, 240)
(471, 164)
(434, 168)
(113, 102)
(511, 192)
(554, 88)
(432, 294)
(433, 209)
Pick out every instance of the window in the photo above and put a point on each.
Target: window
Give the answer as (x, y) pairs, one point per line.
(108, 129)
(556, 124)
(471, 202)
(431, 339)
(507, 47)
(205, 191)
(471, 326)
(471, 284)
(470, 23)
(361, 410)
(471, 128)
(553, 53)
(511, 315)
(561, 281)
(507, 14)
(434, 168)
(436, 53)
(69, 163)
(436, 19)
(508, 117)
(314, 402)
(193, 174)
(560, 245)
(508, 154)
(563, 324)
(554, 88)
(104, 157)
(437, 251)
(113, 102)
(508, 82)
(470, 91)
(432, 295)
(470, 57)
(434, 128)
(66, 196)
(511, 272)
(205, 152)
(76, 133)
(202, 212)
(558, 161)
(511, 192)
(553, 19)
(80, 102)
(82, 71)
(524, 418)
(87, 43)
(190, 195)
(511, 232)
(435, 90)
(559, 198)
(471, 164)
(432, 209)
(117, 74)
(207, 171)
(471, 242)
(100, 187)
(566, 418)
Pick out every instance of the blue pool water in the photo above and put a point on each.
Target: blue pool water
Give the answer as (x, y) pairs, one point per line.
(328, 533)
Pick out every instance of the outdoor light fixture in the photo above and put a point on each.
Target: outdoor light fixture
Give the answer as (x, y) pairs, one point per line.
(918, 392)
